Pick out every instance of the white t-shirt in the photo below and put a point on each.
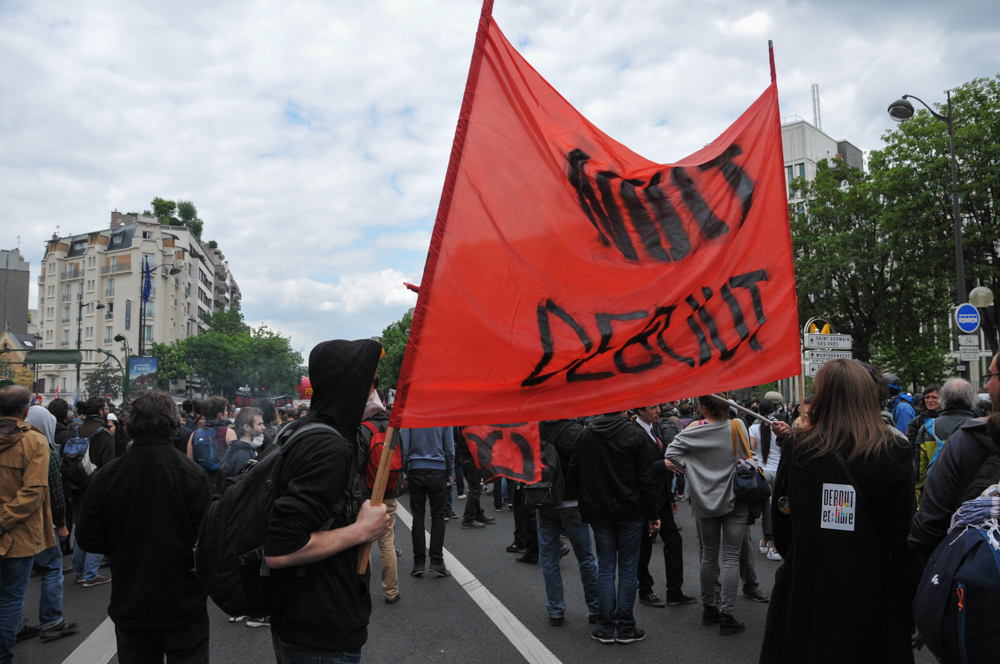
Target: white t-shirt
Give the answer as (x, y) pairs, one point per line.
(773, 454)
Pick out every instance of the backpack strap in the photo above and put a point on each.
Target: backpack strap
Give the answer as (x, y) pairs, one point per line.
(370, 426)
(929, 426)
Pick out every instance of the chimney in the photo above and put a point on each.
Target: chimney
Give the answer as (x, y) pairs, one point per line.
(816, 120)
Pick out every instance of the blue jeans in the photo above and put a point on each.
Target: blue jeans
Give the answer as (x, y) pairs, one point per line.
(286, 653)
(549, 555)
(617, 549)
(50, 604)
(85, 563)
(14, 573)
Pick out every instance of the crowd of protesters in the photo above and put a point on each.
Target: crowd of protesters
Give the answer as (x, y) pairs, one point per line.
(621, 477)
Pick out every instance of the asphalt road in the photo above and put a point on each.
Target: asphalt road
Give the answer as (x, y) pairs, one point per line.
(438, 620)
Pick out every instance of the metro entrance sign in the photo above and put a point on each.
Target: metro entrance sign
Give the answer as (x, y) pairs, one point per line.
(828, 341)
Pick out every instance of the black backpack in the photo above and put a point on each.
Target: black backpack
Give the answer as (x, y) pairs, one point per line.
(549, 492)
(229, 551)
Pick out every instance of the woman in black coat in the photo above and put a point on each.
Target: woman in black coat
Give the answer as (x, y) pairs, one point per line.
(845, 590)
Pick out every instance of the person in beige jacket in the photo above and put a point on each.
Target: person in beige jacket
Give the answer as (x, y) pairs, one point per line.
(25, 514)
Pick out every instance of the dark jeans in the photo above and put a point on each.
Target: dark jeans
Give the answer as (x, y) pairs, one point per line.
(673, 554)
(14, 574)
(473, 508)
(286, 653)
(498, 493)
(549, 522)
(187, 644)
(525, 524)
(617, 551)
(428, 485)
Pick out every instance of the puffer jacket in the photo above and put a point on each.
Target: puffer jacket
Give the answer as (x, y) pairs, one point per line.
(25, 513)
(944, 425)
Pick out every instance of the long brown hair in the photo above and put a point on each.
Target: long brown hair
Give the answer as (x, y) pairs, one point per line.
(845, 411)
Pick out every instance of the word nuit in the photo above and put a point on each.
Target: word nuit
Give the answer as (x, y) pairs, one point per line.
(699, 321)
(606, 216)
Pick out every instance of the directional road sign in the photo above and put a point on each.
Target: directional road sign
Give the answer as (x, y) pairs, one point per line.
(968, 340)
(827, 355)
(968, 353)
(967, 318)
(812, 368)
(828, 341)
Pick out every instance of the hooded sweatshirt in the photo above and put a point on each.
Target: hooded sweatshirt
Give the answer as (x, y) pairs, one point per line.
(611, 473)
(44, 421)
(331, 606)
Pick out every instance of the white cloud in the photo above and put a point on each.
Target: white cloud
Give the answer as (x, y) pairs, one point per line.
(314, 136)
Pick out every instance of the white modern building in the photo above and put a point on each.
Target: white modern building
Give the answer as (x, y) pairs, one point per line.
(91, 284)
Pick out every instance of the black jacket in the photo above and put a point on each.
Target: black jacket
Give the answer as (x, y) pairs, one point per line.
(144, 510)
(61, 435)
(102, 447)
(318, 482)
(611, 473)
(563, 436)
(953, 472)
(837, 597)
(661, 476)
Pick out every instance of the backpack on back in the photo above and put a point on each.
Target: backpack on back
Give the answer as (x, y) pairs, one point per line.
(205, 448)
(376, 448)
(955, 606)
(549, 492)
(76, 464)
(229, 551)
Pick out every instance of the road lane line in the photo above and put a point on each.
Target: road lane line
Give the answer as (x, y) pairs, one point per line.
(98, 648)
(533, 650)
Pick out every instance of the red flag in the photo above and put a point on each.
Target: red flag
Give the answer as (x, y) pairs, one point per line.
(569, 276)
(509, 450)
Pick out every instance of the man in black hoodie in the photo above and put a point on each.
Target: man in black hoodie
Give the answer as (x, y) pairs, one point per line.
(319, 484)
(612, 473)
(143, 509)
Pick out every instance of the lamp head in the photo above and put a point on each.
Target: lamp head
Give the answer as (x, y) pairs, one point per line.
(981, 297)
(175, 271)
(99, 306)
(120, 338)
(900, 110)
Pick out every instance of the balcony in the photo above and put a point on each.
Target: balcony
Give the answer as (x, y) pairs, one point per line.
(116, 268)
(109, 292)
(65, 344)
(109, 316)
(67, 297)
(71, 274)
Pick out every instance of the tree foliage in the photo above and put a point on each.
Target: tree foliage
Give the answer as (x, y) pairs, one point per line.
(105, 379)
(393, 340)
(163, 208)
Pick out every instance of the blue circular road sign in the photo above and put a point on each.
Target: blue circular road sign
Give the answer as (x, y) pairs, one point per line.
(967, 318)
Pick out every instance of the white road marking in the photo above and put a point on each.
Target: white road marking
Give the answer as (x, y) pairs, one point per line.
(533, 650)
(98, 648)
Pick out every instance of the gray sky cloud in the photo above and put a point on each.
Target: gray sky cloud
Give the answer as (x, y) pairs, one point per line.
(314, 136)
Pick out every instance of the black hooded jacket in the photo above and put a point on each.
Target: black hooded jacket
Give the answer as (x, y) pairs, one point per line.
(563, 435)
(331, 607)
(611, 472)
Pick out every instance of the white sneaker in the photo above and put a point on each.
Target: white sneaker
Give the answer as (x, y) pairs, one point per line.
(764, 548)
(258, 622)
(236, 619)
(773, 555)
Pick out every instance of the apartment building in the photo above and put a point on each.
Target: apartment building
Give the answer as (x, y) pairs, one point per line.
(90, 291)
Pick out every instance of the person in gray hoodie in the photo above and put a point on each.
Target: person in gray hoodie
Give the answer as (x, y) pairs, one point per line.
(428, 461)
(704, 454)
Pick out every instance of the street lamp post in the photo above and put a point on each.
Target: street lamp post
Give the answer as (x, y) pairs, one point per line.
(120, 338)
(79, 337)
(902, 109)
(174, 270)
(37, 339)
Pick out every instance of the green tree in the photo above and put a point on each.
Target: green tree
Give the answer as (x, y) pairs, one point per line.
(393, 340)
(171, 362)
(187, 211)
(273, 367)
(163, 208)
(105, 379)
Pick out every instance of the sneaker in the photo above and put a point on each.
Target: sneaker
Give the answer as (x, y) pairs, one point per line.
(710, 615)
(78, 579)
(258, 622)
(26, 631)
(773, 555)
(527, 560)
(236, 619)
(516, 548)
(461, 496)
(398, 553)
(438, 569)
(756, 594)
(418, 570)
(97, 581)
(677, 597)
(473, 524)
(486, 520)
(730, 625)
(450, 515)
(764, 547)
(555, 621)
(650, 599)
(393, 599)
(498, 509)
(630, 635)
(606, 639)
(62, 629)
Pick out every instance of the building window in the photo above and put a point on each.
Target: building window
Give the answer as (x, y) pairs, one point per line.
(65, 338)
(65, 314)
(147, 235)
(110, 290)
(149, 309)
(109, 334)
(802, 170)
(149, 334)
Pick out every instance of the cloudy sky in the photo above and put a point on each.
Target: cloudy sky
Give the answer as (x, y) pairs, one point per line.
(314, 136)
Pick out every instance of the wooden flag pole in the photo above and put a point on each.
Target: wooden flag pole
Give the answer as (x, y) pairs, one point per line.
(739, 408)
(378, 491)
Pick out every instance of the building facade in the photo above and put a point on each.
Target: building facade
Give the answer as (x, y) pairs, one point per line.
(14, 280)
(90, 291)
